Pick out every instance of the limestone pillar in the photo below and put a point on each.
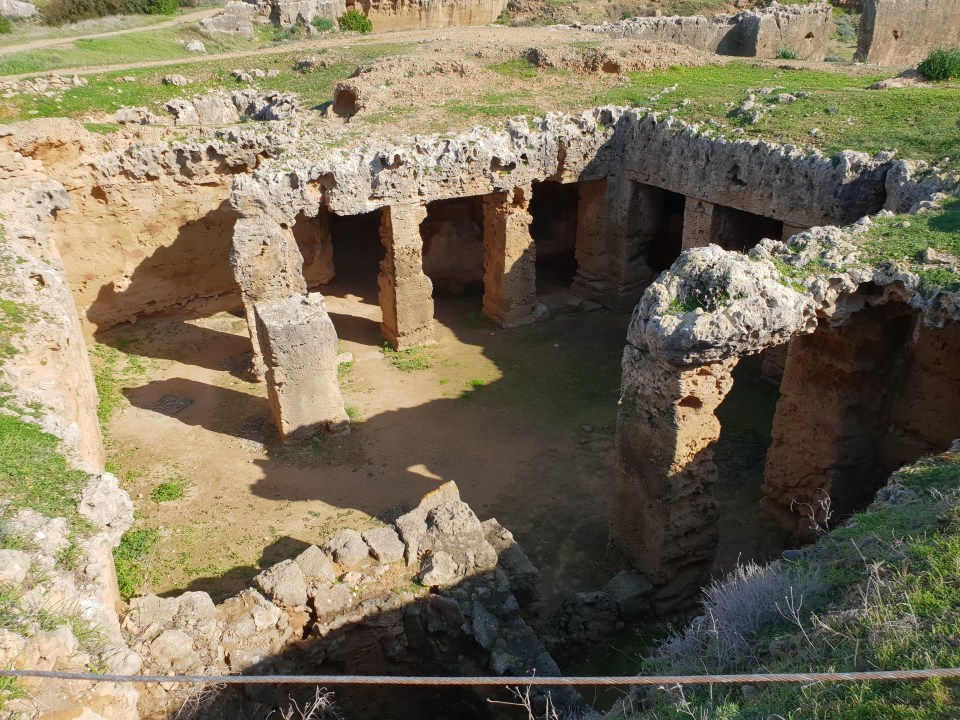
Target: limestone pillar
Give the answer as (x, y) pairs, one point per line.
(666, 517)
(617, 221)
(406, 293)
(316, 247)
(299, 346)
(509, 260)
(698, 221)
(835, 414)
(268, 266)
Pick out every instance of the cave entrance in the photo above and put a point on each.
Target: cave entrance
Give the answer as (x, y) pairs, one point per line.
(665, 240)
(739, 230)
(553, 209)
(453, 247)
(355, 252)
(747, 529)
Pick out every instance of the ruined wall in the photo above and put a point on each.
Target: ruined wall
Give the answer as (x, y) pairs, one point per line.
(903, 32)
(430, 14)
(351, 606)
(50, 368)
(150, 226)
(761, 33)
(869, 383)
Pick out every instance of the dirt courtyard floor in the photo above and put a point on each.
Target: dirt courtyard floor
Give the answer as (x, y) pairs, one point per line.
(521, 420)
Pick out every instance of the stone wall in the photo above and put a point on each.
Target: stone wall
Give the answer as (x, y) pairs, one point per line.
(900, 33)
(437, 591)
(804, 29)
(65, 615)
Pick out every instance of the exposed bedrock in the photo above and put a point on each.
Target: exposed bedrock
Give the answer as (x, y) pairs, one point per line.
(902, 32)
(150, 226)
(805, 29)
(869, 383)
(676, 370)
(46, 379)
(299, 347)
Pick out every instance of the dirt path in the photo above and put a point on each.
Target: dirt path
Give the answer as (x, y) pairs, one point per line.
(54, 42)
(454, 36)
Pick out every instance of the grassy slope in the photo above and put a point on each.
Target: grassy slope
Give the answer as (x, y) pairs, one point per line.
(889, 599)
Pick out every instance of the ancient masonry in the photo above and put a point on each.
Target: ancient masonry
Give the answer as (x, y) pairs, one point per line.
(663, 211)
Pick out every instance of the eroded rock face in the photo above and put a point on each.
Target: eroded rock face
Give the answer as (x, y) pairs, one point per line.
(806, 29)
(900, 33)
(236, 19)
(863, 342)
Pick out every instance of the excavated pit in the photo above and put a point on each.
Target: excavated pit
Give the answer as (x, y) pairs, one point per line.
(504, 283)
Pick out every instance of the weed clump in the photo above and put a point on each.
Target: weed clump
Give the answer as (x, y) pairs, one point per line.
(356, 21)
(941, 64)
(6, 27)
(127, 557)
(407, 360)
(787, 54)
(322, 24)
(168, 492)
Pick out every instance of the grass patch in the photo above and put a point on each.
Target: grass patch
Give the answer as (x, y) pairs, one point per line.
(519, 68)
(920, 123)
(882, 593)
(10, 690)
(491, 105)
(34, 474)
(409, 360)
(128, 557)
(169, 491)
(354, 413)
(146, 46)
(908, 237)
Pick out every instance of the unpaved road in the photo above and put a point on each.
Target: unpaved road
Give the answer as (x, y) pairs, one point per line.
(54, 42)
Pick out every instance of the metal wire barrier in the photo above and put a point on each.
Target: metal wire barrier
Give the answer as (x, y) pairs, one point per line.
(532, 681)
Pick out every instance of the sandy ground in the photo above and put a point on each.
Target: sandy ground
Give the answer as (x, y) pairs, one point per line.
(521, 420)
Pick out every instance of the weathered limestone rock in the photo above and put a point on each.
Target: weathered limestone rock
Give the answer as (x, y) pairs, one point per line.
(406, 294)
(268, 266)
(384, 543)
(632, 593)
(509, 260)
(347, 547)
(620, 225)
(902, 32)
(14, 566)
(17, 9)
(523, 575)
(299, 346)
(697, 223)
(284, 583)
(422, 14)
(236, 19)
(676, 370)
(445, 525)
(805, 29)
(316, 564)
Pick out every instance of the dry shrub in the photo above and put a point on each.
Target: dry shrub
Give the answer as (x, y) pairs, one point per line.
(736, 610)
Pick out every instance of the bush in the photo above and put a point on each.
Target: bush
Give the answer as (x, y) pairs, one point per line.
(356, 21)
(322, 24)
(6, 27)
(942, 64)
(164, 7)
(61, 12)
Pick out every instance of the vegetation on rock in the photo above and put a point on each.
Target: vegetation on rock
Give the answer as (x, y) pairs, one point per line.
(879, 592)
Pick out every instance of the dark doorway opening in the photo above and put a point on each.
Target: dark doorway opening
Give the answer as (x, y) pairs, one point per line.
(453, 246)
(554, 208)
